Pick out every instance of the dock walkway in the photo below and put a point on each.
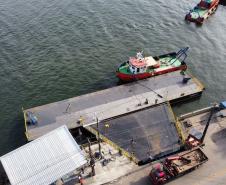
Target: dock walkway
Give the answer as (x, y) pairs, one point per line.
(111, 102)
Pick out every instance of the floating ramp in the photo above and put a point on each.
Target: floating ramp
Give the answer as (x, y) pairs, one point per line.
(146, 134)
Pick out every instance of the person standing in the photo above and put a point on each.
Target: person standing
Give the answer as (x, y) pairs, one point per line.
(81, 180)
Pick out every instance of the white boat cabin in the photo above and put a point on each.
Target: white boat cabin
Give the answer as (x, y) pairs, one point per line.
(140, 64)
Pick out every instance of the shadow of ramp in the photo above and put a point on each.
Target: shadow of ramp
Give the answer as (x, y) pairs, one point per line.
(219, 138)
(223, 2)
(142, 181)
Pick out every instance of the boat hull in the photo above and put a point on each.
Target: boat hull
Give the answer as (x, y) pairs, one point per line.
(201, 19)
(133, 77)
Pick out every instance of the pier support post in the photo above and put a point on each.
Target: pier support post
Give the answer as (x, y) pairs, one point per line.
(98, 138)
(92, 160)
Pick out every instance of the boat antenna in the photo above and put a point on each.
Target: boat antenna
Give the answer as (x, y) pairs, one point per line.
(140, 55)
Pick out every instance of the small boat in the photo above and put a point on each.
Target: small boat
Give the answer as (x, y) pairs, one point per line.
(202, 11)
(141, 67)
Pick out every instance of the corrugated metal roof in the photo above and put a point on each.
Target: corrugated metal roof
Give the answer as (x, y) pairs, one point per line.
(43, 160)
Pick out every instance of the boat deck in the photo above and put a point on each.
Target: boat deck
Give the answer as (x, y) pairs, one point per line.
(165, 62)
(111, 102)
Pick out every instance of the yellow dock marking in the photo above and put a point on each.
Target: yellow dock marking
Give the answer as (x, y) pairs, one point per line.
(177, 124)
(105, 139)
(25, 124)
(196, 81)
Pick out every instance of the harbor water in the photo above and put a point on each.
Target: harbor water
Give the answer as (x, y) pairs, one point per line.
(53, 50)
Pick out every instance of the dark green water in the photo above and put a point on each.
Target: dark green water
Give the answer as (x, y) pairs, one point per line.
(56, 49)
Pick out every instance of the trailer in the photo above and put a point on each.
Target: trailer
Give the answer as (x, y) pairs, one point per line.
(176, 166)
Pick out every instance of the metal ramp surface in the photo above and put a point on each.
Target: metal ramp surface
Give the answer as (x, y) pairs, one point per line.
(149, 133)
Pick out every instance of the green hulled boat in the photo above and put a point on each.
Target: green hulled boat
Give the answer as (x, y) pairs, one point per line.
(202, 11)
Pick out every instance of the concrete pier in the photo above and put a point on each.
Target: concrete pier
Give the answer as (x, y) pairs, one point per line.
(109, 103)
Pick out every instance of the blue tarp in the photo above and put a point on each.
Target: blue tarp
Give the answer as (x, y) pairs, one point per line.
(208, 1)
(223, 105)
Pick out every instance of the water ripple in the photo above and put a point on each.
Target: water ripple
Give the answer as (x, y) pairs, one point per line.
(52, 50)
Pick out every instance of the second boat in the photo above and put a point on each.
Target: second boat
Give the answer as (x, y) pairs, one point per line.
(141, 67)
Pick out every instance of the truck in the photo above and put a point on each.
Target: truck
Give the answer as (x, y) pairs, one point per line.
(186, 161)
(176, 166)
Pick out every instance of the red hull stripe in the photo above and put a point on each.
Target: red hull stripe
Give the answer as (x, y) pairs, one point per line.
(129, 77)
